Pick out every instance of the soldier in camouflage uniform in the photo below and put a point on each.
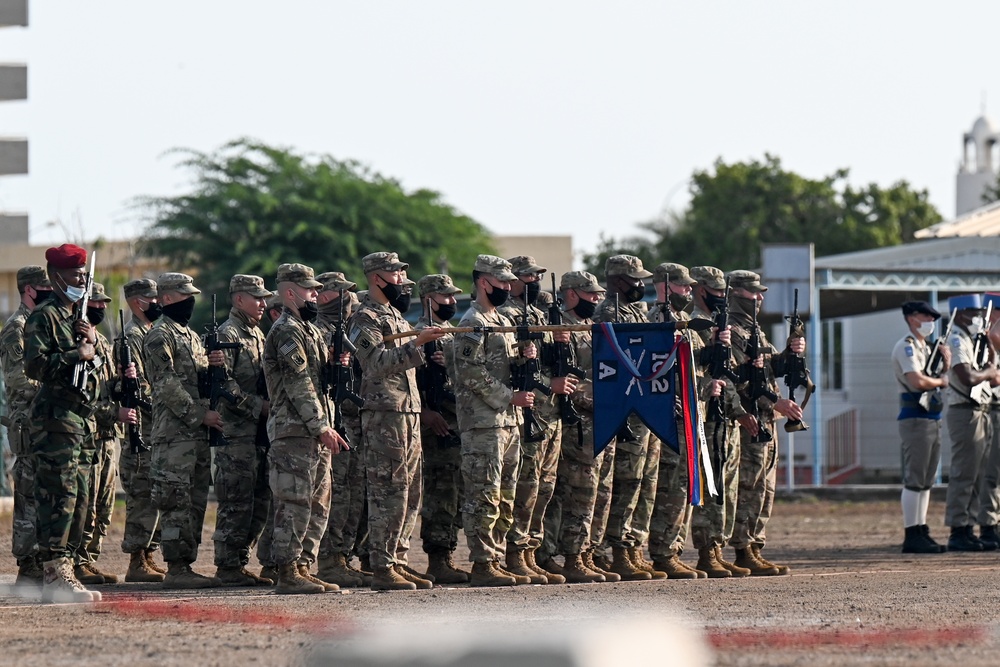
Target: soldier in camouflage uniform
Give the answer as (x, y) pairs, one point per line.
(240, 481)
(142, 534)
(635, 464)
(34, 287)
(712, 522)
(180, 468)
(390, 419)
(300, 428)
(488, 420)
(269, 568)
(440, 516)
(59, 353)
(348, 489)
(758, 460)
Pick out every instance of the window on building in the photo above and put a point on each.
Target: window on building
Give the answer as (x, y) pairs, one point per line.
(833, 355)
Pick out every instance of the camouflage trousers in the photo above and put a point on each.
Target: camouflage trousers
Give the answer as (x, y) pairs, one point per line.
(712, 522)
(668, 529)
(392, 464)
(62, 480)
(24, 540)
(536, 483)
(103, 479)
(490, 459)
(299, 474)
(605, 489)
(348, 496)
(440, 515)
(181, 473)
(755, 498)
(632, 499)
(244, 495)
(142, 521)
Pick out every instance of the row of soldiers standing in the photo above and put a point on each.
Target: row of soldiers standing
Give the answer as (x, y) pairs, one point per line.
(329, 481)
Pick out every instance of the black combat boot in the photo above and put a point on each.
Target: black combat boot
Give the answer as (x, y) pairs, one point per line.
(915, 542)
(962, 539)
(989, 538)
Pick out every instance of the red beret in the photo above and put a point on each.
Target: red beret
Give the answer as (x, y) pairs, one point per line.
(66, 256)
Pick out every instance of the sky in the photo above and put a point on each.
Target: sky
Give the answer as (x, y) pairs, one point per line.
(557, 117)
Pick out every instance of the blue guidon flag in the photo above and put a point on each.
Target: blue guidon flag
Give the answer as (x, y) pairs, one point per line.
(647, 370)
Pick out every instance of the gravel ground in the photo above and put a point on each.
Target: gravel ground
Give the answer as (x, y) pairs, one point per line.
(852, 599)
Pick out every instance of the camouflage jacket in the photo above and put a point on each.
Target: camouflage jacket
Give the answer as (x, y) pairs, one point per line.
(733, 406)
(444, 344)
(108, 426)
(482, 372)
(546, 407)
(388, 370)
(245, 366)
(740, 327)
(174, 357)
(625, 312)
(135, 333)
(583, 348)
(19, 387)
(294, 362)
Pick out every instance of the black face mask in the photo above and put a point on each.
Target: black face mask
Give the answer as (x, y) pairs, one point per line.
(585, 309)
(96, 315)
(445, 311)
(498, 296)
(308, 311)
(42, 295)
(681, 302)
(181, 311)
(633, 293)
(714, 303)
(531, 291)
(153, 312)
(398, 296)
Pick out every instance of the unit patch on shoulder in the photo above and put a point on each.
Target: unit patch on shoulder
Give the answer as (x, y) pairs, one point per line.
(363, 338)
(909, 350)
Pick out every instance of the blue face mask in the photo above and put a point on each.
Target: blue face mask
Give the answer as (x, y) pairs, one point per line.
(72, 293)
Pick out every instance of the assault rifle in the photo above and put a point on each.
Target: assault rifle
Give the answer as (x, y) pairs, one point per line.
(717, 357)
(130, 393)
(338, 378)
(562, 361)
(524, 377)
(432, 380)
(81, 371)
(214, 379)
(757, 382)
(935, 361)
(796, 373)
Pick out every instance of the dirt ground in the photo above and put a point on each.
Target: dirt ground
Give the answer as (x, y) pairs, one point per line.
(852, 599)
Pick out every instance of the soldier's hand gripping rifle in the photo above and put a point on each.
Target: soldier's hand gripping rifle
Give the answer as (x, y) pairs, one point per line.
(756, 379)
(562, 361)
(717, 358)
(82, 369)
(935, 360)
(432, 380)
(524, 377)
(795, 371)
(130, 393)
(214, 379)
(339, 378)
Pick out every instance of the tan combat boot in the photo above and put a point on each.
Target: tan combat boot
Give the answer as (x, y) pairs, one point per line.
(268, 572)
(86, 576)
(735, 570)
(180, 576)
(487, 575)
(334, 569)
(708, 562)
(108, 577)
(745, 558)
(590, 564)
(411, 576)
(782, 569)
(148, 553)
(366, 575)
(517, 567)
(240, 576)
(549, 565)
(675, 568)
(441, 567)
(29, 572)
(576, 572)
(290, 582)
(550, 577)
(623, 566)
(305, 574)
(639, 560)
(60, 586)
(140, 571)
(388, 579)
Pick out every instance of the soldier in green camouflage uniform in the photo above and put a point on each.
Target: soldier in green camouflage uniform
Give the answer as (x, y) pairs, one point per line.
(59, 353)
(635, 464)
(142, 534)
(300, 428)
(240, 482)
(269, 568)
(440, 515)
(349, 489)
(180, 468)
(758, 460)
(390, 419)
(34, 287)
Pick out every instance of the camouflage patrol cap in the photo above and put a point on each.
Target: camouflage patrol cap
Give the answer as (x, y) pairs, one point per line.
(581, 280)
(498, 267)
(747, 280)
(544, 299)
(436, 283)
(273, 302)
(709, 276)
(675, 273)
(335, 281)
(625, 265)
(33, 275)
(176, 282)
(97, 293)
(300, 274)
(254, 285)
(524, 265)
(382, 261)
(143, 287)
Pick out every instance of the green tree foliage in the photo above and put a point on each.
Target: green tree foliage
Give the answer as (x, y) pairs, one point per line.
(737, 207)
(253, 207)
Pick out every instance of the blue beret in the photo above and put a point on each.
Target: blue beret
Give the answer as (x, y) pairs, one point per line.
(965, 302)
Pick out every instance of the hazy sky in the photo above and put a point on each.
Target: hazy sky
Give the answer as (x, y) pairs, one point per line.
(555, 117)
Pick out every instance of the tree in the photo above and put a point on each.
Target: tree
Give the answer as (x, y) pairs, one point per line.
(254, 207)
(737, 207)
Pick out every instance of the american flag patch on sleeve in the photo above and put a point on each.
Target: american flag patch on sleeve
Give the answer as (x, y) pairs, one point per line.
(288, 348)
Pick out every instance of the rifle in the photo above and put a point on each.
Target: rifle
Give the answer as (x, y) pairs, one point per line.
(935, 361)
(796, 373)
(130, 395)
(717, 357)
(432, 380)
(339, 379)
(81, 371)
(562, 361)
(213, 380)
(981, 346)
(757, 381)
(524, 377)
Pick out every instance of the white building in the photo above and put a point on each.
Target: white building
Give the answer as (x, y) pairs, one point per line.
(978, 170)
